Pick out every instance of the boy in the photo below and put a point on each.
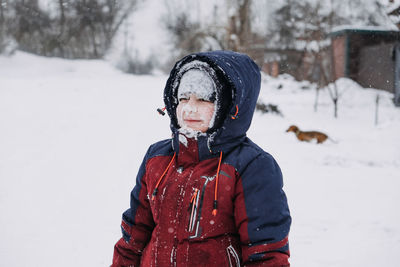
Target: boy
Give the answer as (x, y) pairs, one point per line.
(208, 196)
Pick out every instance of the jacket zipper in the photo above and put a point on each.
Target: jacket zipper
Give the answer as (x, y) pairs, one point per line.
(232, 256)
(193, 207)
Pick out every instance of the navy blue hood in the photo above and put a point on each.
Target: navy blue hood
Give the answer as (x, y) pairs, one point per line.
(239, 78)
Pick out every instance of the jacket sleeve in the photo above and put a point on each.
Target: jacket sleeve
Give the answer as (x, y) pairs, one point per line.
(262, 215)
(137, 224)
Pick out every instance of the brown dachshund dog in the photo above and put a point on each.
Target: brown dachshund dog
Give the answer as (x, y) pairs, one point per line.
(308, 136)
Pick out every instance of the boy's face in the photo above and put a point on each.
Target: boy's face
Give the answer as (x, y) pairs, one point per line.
(195, 113)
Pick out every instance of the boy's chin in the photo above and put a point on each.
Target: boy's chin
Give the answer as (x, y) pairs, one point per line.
(197, 127)
(191, 132)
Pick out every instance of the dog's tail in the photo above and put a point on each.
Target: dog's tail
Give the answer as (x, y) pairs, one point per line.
(333, 141)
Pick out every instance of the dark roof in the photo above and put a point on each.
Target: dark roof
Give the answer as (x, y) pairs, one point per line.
(366, 31)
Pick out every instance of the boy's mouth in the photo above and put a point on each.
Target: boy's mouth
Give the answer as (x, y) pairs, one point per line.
(192, 121)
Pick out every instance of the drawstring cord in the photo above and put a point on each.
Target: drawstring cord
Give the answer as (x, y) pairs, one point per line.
(161, 177)
(235, 115)
(193, 207)
(161, 110)
(215, 204)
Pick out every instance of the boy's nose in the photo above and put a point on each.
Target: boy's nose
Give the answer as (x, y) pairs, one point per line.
(192, 102)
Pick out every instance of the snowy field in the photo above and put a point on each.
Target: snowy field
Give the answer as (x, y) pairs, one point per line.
(73, 133)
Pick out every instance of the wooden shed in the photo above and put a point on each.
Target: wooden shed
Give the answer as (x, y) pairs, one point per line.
(369, 56)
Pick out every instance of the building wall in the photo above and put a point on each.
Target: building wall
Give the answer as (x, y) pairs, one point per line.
(366, 57)
(271, 68)
(376, 67)
(339, 55)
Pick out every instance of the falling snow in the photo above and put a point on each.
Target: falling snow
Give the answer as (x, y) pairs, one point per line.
(73, 134)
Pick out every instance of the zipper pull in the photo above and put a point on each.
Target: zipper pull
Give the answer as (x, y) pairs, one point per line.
(194, 195)
(192, 207)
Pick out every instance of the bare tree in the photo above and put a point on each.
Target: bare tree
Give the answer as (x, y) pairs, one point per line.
(239, 25)
(2, 23)
(240, 35)
(188, 34)
(80, 29)
(332, 86)
(7, 44)
(230, 28)
(308, 25)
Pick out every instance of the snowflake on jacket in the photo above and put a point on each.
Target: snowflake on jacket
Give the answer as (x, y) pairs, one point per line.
(213, 198)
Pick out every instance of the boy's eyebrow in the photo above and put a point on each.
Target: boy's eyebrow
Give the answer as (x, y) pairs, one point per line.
(184, 95)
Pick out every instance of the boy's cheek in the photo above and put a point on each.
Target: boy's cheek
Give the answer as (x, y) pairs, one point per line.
(207, 113)
(181, 112)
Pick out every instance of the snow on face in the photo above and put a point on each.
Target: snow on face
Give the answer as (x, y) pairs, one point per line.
(196, 108)
(195, 115)
(197, 82)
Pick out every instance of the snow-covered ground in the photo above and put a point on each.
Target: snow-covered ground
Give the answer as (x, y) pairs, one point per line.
(73, 133)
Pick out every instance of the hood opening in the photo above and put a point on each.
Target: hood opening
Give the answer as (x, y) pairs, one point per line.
(239, 81)
(225, 90)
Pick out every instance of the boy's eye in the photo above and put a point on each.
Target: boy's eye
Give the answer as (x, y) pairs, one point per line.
(183, 99)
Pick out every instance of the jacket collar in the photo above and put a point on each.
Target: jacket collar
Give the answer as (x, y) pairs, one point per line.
(187, 151)
(244, 77)
(193, 150)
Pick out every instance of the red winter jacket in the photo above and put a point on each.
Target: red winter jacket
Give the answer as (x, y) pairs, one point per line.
(208, 201)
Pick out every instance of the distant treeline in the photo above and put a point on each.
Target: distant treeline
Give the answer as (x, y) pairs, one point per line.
(67, 28)
(293, 33)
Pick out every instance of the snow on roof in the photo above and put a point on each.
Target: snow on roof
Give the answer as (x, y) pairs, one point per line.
(392, 6)
(364, 28)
